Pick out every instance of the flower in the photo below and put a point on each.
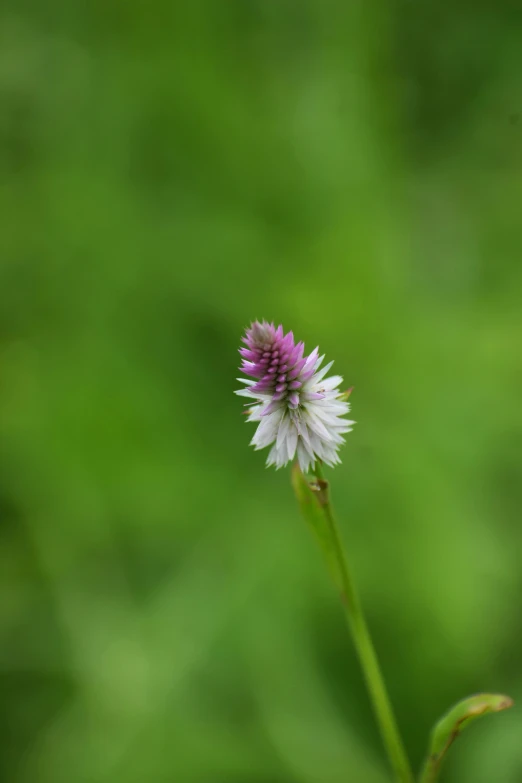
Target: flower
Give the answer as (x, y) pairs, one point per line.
(298, 409)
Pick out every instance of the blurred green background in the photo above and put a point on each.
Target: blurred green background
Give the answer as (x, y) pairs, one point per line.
(169, 172)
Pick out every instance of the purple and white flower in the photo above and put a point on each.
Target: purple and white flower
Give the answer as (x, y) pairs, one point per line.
(299, 410)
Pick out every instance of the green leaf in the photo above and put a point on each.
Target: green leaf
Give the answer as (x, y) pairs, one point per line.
(453, 722)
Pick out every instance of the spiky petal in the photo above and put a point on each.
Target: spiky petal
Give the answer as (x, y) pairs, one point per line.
(299, 410)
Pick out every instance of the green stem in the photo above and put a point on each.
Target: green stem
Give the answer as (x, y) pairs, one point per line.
(364, 647)
(430, 771)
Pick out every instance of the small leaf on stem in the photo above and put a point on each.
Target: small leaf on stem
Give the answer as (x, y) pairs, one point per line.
(453, 722)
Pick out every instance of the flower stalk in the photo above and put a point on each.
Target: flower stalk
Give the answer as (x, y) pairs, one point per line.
(315, 503)
(300, 413)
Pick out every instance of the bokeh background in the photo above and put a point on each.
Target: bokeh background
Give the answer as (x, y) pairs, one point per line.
(169, 172)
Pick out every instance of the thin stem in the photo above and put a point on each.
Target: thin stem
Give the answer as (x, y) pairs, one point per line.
(364, 647)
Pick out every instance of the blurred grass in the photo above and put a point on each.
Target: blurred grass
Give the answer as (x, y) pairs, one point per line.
(168, 173)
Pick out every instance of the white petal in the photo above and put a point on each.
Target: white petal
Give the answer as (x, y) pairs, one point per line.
(272, 456)
(283, 430)
(315, 424)
(247, 393)
(254, 414)
(267, 430)
(331, 383)
(320, 375)
(304, 457)
(282, 454)
(312, 360)
(291, 441)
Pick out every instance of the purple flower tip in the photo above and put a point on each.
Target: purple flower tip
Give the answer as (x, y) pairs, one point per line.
(273, 359)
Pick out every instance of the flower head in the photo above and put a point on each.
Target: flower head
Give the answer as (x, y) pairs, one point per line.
(298, 409)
